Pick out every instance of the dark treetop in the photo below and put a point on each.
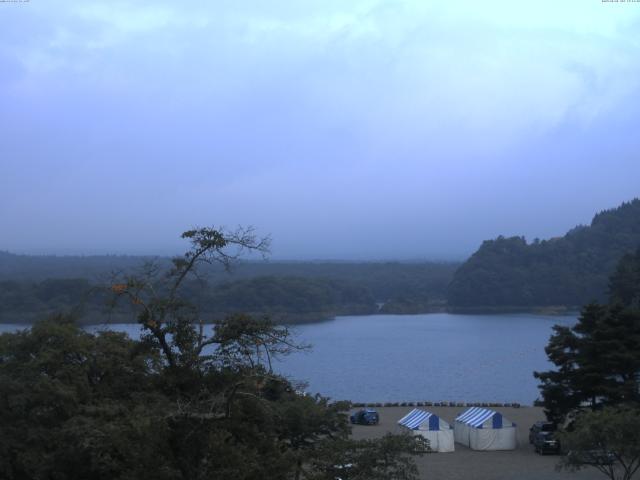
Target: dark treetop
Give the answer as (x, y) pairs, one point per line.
(570, 270)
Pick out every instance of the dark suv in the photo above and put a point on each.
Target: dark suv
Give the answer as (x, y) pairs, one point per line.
(546, 442)
(540, 427)
(365, 417)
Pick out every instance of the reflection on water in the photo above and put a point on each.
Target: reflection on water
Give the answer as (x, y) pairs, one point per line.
(431, 357)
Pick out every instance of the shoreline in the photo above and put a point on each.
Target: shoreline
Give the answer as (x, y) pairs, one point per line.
(439, 404)
(280, 318)
(550, 310)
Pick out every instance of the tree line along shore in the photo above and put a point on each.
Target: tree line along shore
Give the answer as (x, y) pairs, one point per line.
(505, 275)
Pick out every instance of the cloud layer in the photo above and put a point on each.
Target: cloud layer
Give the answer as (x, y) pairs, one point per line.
(360, 129)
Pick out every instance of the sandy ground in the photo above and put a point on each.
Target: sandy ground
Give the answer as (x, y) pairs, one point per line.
(520, 464)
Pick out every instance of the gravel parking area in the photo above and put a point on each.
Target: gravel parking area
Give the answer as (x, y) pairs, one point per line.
(520, 464)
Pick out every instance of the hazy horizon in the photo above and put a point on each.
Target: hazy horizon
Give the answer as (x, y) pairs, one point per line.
(284, 259)
(361, 130)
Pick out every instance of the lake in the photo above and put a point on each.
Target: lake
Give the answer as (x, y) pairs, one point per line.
(430, 357)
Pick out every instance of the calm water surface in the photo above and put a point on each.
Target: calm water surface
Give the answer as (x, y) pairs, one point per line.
(431, 357)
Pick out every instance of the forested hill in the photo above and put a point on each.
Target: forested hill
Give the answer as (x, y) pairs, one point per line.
(570, 270)
(34, 286)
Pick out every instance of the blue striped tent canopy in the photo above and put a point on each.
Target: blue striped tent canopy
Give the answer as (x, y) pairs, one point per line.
(416, 417)
(476, 416)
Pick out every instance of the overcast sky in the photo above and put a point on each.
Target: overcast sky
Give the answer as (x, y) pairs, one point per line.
(346, 129)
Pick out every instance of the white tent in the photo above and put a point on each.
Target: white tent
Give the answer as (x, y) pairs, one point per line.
(430, 426)
(484, 429)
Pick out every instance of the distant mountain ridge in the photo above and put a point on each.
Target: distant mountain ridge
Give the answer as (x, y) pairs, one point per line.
(41, 267)
(570, 270)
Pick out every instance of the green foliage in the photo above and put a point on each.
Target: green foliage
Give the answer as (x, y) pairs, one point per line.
(390, 457)
(77, 404)
(46, 297)
(571, 270)
(404, 304)
(288, 292)
(288, 295)
(598, 359)
(596, 385)
(608, 440)
(174, 405)
(624, 285)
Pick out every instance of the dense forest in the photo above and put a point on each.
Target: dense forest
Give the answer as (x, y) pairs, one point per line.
(571, 270)
(505, 273)
(592, 392)
(175, 404)
(290, 292)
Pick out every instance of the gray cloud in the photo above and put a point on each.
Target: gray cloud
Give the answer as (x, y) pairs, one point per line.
(361, 130)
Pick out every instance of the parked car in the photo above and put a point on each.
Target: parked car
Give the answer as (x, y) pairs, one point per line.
(540, 427)
(546, 442)
(366, 416)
